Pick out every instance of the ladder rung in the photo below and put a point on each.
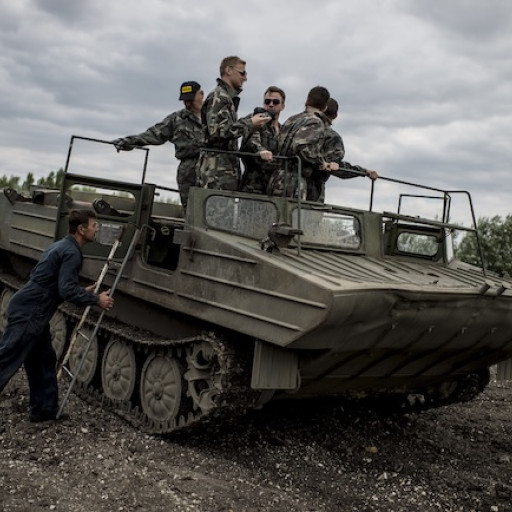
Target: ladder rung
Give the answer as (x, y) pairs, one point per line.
(68, 371)
(83, 335)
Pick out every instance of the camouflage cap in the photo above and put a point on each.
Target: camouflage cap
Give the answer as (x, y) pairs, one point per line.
(188, 90)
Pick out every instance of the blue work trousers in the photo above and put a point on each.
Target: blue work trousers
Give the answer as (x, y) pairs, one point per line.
(27, 341)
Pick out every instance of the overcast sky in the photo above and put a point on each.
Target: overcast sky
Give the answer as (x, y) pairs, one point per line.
(425, 87)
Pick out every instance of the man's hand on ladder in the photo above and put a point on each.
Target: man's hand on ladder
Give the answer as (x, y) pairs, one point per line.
(105, 301)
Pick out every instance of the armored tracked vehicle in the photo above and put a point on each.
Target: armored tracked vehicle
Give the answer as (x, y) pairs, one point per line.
(250, 298)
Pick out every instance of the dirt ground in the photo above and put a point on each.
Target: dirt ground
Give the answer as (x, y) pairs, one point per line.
(321, 456)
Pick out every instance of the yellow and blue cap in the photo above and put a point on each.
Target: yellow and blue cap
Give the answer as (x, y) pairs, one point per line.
(188, 90)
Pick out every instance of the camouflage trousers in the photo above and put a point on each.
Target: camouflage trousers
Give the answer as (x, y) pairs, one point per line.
(255, 181)
(186, 178)
(287, 184)
(316, 186)
(220, 171)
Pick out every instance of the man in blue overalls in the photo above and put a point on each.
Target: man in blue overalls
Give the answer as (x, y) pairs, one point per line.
(26, 339)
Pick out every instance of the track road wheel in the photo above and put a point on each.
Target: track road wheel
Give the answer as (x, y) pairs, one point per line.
(58, 333)
(161, 387)
(4, 302)
(118, 370)
(90, 364)
(202, 375)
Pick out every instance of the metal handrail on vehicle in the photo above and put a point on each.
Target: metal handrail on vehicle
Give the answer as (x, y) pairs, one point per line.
(447, 197)
(447, 194)
(100, 141)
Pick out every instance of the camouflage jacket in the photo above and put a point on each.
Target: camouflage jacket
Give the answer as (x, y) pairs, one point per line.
(182, 128)
(261, 140)
(334, 151)
(303, 135)
(222, 128)
(257, 171)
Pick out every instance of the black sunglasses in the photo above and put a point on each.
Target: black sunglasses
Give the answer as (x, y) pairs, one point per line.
(243, 73)
(274, 101)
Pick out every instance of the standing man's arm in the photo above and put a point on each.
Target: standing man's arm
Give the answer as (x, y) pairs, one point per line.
(253, 145)
(70, 289)
(187, 136)
(221, 123)
(154, 136)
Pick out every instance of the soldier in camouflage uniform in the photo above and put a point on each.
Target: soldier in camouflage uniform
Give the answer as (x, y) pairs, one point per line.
(302, 135)
(334, 151)
(223, 128)
(184, 129)
(263, 144)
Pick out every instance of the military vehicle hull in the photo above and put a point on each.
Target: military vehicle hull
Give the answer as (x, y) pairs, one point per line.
(251, 298)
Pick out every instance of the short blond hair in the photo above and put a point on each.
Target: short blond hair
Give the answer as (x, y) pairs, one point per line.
(230, 62)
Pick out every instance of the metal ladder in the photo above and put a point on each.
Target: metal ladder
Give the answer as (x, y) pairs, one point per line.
(109, 264)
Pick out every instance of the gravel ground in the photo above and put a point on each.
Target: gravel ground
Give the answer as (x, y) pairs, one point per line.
(290, 456)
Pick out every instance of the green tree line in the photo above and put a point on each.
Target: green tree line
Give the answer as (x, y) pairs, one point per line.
(53, 180)
(495, 235)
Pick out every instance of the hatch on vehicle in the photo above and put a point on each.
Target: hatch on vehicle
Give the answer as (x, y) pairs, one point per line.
(328, 228)
(250, 217)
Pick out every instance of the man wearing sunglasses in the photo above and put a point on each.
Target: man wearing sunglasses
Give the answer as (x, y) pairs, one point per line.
(222, 128)
(263, 143)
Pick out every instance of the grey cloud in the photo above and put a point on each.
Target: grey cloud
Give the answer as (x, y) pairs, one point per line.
(423, 86)
(70, 12)
(471, 19)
